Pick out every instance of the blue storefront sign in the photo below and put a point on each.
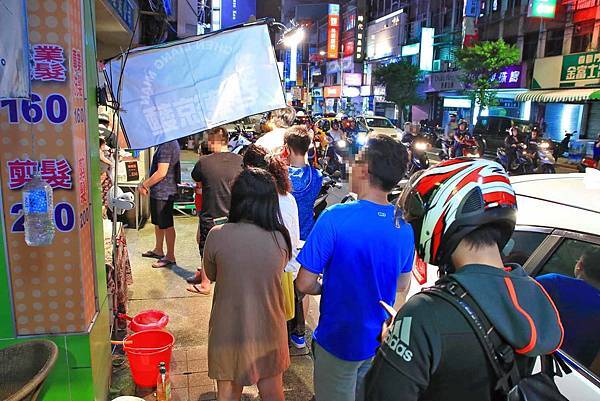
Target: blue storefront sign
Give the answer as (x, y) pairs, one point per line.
(124, 9)
(471, 8)
(235, 12)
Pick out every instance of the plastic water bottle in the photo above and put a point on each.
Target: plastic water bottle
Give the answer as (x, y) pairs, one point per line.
(38, 210)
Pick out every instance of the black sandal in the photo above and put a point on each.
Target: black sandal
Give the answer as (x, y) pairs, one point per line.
(152, 254)
(163, 263)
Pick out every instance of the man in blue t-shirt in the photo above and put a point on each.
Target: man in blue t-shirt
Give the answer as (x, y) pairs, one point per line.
(365, 256)
(306, 180)
(578, 302)
(165, 174)
(306, 185)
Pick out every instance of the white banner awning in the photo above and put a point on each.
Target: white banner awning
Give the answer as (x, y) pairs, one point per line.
(560, 95)
(14, 50)
(185, 87)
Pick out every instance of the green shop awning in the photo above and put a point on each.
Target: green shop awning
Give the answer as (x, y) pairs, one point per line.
(560, 95)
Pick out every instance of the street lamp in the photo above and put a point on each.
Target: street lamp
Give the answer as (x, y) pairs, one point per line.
(292, 39)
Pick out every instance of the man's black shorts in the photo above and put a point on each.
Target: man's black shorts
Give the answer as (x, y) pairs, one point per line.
(161, 212)
(205, 226)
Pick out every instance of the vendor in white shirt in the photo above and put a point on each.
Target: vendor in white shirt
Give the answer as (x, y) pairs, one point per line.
(279, 121)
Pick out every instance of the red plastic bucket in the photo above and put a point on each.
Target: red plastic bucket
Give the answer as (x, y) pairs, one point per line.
(147, 320)
(145, 350)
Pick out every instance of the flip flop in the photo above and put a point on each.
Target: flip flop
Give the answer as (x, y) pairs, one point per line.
(194, 279)
(163, 263)
(152, 254)
(196, 289)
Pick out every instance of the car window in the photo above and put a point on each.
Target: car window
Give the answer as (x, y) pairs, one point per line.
(521, 245)
(379, 123)
(571, 276)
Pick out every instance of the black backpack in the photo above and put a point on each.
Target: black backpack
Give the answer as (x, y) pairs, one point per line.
(512, 386)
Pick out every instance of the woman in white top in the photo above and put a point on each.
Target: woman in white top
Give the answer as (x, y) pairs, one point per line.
(336, 133)
(257, 156)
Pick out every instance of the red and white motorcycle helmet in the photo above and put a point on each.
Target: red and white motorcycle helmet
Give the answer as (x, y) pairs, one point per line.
(450, 200)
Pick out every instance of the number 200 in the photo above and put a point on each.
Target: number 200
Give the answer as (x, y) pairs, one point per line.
(64, 217)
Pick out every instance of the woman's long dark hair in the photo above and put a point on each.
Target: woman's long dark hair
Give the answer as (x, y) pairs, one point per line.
(254, 199)
(258, 156)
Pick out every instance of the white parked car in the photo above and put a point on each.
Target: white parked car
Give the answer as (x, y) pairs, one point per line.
(379, 125)
(557, 222)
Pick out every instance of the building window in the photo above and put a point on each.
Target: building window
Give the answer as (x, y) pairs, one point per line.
(554, 42)
(530, 45)
(582, 36)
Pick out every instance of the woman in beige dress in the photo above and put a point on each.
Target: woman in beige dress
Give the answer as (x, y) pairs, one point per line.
(247, 341)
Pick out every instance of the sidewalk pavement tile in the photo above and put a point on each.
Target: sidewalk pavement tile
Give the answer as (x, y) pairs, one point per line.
(179, 394)
(202, 393)
(179, 381)
(200, 380)
(179, 354)
(197, 365)
(178, 367)
(199, 352)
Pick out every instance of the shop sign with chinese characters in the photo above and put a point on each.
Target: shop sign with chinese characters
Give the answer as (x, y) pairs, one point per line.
(509, 77)
(570, 71)
(53, 287)
(359, 49)
(580, 67)
(333, 31)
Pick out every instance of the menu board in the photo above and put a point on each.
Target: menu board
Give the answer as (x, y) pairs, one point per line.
(132, 171)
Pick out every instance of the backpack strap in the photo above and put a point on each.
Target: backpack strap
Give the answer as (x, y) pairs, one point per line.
(498, 352)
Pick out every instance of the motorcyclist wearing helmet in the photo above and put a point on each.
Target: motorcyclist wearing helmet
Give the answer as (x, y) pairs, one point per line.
(460, 134)
(463, 212)
(411, 132)
(511, 145)
(532, 142)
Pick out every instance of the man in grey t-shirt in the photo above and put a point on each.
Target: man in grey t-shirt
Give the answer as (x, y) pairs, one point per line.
(165, 174)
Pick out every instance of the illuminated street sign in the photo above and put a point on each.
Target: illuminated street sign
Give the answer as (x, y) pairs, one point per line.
(542, 8)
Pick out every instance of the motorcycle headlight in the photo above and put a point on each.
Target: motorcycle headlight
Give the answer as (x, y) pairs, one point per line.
(544, 145)
(361, 139)
(341, 144)
(422, 146)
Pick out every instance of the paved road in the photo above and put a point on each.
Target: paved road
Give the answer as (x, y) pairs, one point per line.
(561, 167)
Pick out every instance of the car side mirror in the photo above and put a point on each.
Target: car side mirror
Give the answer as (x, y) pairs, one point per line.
(371, 130)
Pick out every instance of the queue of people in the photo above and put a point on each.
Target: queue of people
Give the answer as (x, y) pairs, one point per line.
(358, 256)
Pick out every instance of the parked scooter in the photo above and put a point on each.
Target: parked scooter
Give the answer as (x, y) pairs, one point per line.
(329, 182)
(239, 141)
(587, 162)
